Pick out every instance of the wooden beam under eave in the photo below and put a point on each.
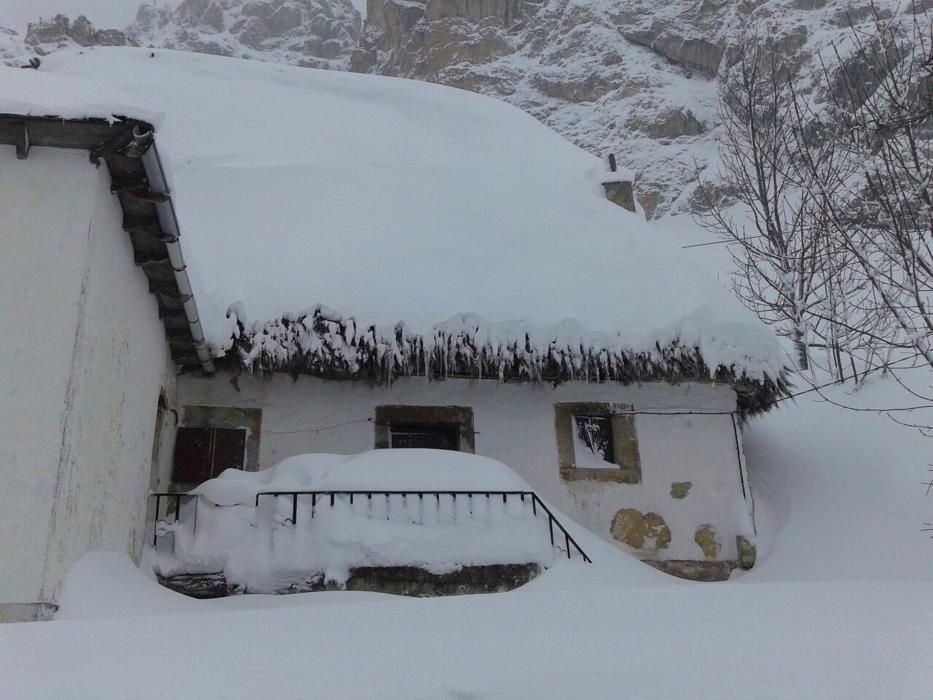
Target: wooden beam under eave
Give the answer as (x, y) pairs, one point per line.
(56, 132)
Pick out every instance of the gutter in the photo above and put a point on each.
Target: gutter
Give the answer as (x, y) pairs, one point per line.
(169, 221)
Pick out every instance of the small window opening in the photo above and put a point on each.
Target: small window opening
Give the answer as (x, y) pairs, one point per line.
(597, 441)
(593, 442)
(431, 427)
(203, 453)
(437, 436)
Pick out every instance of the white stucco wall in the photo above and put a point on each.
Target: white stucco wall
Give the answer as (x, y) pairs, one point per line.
(514, 423)
(82, 359)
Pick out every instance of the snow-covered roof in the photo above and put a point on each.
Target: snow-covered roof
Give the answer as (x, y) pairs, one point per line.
(394, 202)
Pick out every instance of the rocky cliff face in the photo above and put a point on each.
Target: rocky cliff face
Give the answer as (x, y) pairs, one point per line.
(12, 48)
(634, 77)
(312, 33)
(60, 32)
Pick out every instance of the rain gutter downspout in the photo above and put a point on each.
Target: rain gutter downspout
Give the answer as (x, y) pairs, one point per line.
(169, 221)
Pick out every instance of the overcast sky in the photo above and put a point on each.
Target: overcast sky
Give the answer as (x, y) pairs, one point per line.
(15, 14)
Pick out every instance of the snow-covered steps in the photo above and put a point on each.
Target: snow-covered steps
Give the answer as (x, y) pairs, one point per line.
(284, 530)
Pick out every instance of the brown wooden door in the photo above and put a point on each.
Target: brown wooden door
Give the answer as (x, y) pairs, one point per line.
(203, 453)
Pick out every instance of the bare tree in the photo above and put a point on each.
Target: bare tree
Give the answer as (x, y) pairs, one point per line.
(878, 197)
(836, 184)
(780, 249)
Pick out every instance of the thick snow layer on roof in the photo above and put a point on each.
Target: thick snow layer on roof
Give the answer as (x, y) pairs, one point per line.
(391, 201)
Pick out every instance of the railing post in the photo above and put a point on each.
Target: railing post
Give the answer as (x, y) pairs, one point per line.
(155, 523)
(295, 510)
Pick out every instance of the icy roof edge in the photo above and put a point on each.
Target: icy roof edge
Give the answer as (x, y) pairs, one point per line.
(323, 343)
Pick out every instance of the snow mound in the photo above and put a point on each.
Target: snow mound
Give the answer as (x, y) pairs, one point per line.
(375, 470)
(269, 548)
(108, 584)
(393, 200)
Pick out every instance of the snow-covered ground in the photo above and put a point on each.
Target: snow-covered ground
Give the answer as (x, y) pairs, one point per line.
(838, 607)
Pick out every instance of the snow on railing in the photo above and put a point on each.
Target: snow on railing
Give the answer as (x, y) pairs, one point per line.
(328, 499)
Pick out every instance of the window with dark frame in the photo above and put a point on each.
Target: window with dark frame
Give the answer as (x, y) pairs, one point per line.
(437, 436)
(203, 453)
(594, 434)
(431, 427)
(597, 442)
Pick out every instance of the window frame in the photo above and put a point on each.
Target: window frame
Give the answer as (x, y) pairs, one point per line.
(224, 417)
(209, 437)
(459, 416)
(624, 442)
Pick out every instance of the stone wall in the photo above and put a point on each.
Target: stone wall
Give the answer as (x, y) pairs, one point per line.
(398, 580)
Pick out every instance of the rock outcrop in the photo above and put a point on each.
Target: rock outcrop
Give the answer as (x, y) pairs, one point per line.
(60, 32)
(311, 33)
(635, 77)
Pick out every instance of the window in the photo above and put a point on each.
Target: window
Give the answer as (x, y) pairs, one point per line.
(436, 427)
(203, 453)
(215, 438)
(596, 441)
(438, 436)
(592, 442)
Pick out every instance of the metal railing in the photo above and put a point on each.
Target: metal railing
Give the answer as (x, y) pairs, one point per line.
(330, 497)
(178, 499)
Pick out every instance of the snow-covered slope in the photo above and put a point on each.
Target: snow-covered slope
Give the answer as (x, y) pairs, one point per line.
(313, 33)
(635, 77)
(395, 201)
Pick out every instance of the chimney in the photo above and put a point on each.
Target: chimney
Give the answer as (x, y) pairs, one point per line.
(618, 185)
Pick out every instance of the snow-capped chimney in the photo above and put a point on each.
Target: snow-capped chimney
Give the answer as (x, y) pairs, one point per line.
(618, 185)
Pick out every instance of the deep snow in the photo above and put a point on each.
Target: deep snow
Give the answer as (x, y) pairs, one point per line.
(394, 201)
(261, 549)
(838, 608)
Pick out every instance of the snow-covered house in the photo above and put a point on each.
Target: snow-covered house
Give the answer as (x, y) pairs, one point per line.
(326, 262)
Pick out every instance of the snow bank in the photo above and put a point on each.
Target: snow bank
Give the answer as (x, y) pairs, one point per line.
(108, 584)
(704, 641)
(840, 494)
(262, 550)
(391, 200)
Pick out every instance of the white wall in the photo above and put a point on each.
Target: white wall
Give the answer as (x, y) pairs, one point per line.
(82, 359)
(515, 424)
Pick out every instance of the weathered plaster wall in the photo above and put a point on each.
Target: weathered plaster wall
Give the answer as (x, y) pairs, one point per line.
(82, 361)
(515, 424)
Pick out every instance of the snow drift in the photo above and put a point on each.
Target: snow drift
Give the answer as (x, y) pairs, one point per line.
(267, 548)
